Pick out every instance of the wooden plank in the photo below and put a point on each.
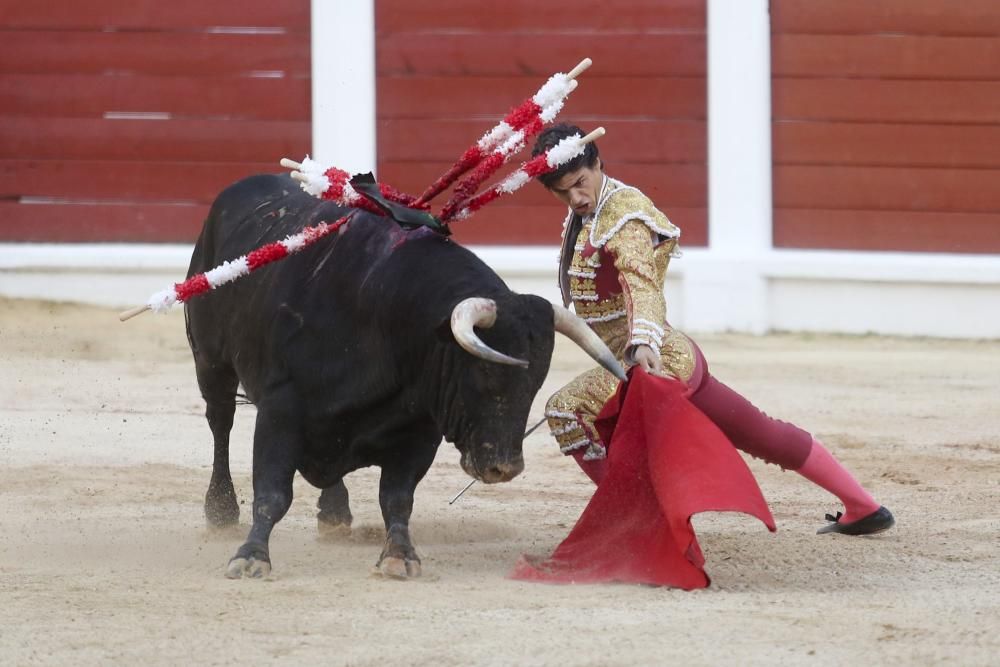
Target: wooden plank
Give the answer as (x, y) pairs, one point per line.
(584, 17)
(668, 185)
(906, 231)
(888, 188)
(873, 100)
(150, 140)
(499, 54)
(928, 17)
(633, 140)
(125, 180)
(463, 96)
(515, 225)
(91, 96)
(880, 144)
(885, 56)
(161, 53)
(542, 225)
(153, 14)
(93, 223)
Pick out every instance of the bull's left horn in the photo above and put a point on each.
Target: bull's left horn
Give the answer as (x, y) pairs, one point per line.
(478, 312)
(577, 331)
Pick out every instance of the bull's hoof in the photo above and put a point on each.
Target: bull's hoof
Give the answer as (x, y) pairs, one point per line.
(247, 568)
(398, 568)
(221, 508)
(333, 531)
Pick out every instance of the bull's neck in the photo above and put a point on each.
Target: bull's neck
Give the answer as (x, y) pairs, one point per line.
(439, 389)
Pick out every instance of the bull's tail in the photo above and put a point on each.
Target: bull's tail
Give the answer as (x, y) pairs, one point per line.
(196, 266)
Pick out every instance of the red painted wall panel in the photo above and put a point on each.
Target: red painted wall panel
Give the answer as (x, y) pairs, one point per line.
(161, 53)
(886, 123)
(223, 86)
(594, 18)
(153, 14)
(900, 17)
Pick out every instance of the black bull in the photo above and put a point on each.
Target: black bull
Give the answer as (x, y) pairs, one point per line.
(353, 355)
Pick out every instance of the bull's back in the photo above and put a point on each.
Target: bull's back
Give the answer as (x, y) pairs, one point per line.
(251, 212)
(344, 289)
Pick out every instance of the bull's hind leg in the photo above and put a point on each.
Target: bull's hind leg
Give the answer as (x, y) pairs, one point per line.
(334, 516)
(399, 480)
(276, 448)
(218, 385)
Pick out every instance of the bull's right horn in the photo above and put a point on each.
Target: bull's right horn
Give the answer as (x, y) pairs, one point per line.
(577, 331)
(478, 312)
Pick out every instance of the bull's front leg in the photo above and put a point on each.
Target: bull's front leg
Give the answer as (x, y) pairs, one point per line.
(399, 480)
(277, 445)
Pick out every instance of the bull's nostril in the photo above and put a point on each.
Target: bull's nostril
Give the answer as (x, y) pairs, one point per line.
(503, 472)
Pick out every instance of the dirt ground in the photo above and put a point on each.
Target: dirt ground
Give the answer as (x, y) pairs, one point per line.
(105, 557)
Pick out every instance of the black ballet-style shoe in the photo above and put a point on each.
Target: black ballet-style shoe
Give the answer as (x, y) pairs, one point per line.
(879, 520)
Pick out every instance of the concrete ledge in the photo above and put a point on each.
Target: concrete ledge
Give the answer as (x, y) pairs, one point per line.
(911, 294)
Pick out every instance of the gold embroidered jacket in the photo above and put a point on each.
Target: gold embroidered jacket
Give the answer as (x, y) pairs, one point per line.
(613, 265)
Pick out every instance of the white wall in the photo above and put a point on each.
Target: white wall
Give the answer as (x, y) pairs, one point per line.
(739, 283)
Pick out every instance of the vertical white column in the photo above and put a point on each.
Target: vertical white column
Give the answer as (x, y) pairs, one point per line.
(343, 83)
(739, 125)
(725, 288)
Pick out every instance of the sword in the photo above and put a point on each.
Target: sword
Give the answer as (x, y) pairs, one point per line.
(469, 485)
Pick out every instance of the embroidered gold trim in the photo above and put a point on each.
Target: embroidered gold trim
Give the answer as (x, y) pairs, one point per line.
(598, 310)
(625, 203)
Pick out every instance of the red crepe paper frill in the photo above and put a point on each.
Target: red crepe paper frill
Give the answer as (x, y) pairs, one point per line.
(265, 255)
(537, 166)
(338, 181)
(394, 195)
(468, 160)
(338, 177)
(534, 167)
(468, 186)
(478, 202)
(193, 286)
(522, 114)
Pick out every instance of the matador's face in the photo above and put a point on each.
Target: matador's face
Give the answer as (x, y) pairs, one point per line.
(580, 189)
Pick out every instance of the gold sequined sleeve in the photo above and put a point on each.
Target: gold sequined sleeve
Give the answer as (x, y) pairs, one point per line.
(641, 278)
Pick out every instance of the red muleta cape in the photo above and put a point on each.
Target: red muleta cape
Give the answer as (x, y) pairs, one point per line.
(666, 463)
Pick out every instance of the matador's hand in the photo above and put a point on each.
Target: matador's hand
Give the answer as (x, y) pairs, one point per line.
(649, 360)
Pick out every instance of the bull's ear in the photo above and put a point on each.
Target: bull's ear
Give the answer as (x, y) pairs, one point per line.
(443, 332)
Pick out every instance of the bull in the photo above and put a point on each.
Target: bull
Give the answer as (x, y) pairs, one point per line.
(362, 350)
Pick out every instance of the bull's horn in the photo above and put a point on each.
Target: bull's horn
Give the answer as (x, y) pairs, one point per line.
(478, 312)
(577, 331)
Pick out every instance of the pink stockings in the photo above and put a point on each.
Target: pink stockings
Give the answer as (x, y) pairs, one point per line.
(825, 471)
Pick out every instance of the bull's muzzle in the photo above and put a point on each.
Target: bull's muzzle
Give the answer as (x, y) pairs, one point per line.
(492, 470)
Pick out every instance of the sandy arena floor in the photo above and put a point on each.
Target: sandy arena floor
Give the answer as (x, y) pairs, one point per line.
(105, 558)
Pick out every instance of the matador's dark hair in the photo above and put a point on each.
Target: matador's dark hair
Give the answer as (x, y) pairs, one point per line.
(551, 136)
